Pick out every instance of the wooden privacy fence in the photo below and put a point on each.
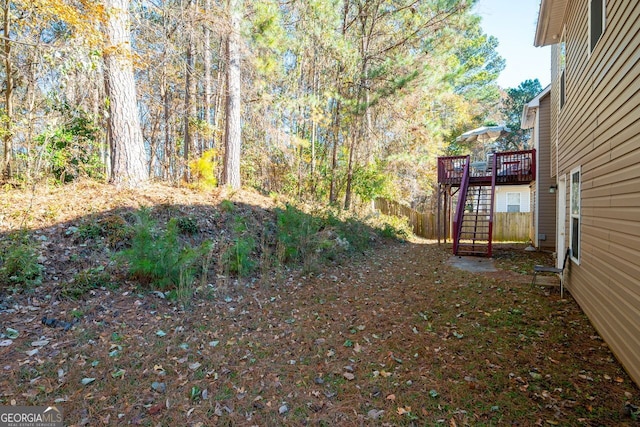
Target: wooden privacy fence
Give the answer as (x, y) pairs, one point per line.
(507, 226)
(511, 226)
(422, 223)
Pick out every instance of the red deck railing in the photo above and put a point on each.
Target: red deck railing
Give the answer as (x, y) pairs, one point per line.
(511, 167)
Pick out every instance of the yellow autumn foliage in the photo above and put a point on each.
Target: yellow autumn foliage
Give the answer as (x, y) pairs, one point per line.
(83, 16)
(203, 169)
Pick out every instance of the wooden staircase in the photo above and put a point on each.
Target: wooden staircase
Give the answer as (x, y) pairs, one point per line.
(473, 223)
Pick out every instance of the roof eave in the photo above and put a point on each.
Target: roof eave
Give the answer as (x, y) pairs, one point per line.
(530, 109)
(550, 22)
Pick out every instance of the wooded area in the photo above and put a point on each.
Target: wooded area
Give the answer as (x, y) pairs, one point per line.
(337, 101)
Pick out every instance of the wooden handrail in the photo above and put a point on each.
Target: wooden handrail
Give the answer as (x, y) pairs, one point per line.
(462, 200)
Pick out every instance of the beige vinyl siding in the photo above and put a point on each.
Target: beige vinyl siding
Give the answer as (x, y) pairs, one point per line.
(555, 110)
(599, 130)
(547, 201)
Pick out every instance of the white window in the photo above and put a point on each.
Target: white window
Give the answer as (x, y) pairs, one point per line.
(513, 202)
(575, 214)
(596, 21)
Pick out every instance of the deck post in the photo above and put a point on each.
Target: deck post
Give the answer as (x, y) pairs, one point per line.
(439, 208)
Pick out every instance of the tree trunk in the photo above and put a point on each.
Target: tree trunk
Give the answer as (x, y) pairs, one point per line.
(165, 98)
(217, 105)
(128, 165)
(347, 196)
(8, 94)
(333, 193)
(233, 137)
(189, 104)
(207, 141)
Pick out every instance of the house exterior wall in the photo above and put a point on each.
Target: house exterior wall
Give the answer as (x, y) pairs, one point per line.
(598, 133)
(501, 197)
(546, 202)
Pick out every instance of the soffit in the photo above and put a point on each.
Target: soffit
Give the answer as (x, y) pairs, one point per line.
(550, 21)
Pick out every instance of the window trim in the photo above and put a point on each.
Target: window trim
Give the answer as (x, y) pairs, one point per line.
(594, 43)
(562, 65)
(578, 216)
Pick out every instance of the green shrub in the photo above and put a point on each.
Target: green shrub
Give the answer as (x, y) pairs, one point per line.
(89, 230)
(86, 280)
(356, 232)
(237, 258)
(227, 206)
(113, 228)
(297, 233)
(158, 258)
(394, 227)
(187, 225)
(72, 149)
(19, 262)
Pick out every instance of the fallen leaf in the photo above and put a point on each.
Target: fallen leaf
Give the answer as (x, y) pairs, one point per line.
(391, 397)
(405, 410)
(156, 409)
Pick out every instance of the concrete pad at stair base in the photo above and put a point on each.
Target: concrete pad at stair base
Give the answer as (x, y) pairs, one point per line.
(473, 264)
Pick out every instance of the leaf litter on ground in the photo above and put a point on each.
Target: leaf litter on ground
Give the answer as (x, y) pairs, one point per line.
(517, 354)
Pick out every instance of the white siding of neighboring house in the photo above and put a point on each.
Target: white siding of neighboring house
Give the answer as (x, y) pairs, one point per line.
(501, 197)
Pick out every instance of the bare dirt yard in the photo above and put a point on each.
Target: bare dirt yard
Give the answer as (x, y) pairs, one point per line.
(388, 336)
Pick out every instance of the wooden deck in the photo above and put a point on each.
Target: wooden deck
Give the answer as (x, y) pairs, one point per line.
(511, 168)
